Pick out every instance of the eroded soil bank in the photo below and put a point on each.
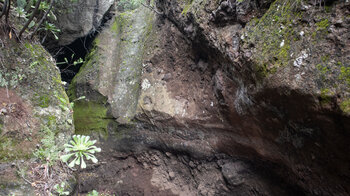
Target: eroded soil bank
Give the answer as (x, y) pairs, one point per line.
(219, 98)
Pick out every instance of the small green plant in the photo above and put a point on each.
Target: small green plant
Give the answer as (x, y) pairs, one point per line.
(49, 151)
(68, 62)
(20, 12)
(345, 74)
(49, 27)
(93, 193)
(21, 171)
(60, 189)
(79, 147)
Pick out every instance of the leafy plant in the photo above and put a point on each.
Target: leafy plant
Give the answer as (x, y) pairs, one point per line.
(49, 27)
(20, 12)
(68, 62)
(60, 189)
(80, 147)
(43, 6)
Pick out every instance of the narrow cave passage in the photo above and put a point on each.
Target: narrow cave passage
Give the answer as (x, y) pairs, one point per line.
(68, 58)
(71, 57)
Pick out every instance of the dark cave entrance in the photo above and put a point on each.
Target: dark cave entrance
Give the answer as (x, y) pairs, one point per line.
(68, 58)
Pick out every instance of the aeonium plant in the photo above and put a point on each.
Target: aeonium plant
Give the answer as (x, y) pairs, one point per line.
(79, 147)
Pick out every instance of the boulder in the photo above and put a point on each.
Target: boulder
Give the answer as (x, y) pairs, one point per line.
(79, 18)
(33, 103)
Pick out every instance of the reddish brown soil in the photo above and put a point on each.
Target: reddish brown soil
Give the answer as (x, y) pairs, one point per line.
(18, 121)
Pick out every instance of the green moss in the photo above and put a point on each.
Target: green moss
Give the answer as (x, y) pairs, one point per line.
(194, 6)
(345, 106)
(129, 4)
(34, 66)
(51, 121)
(91, 117)
(321, 28)
(187, 7)
(11, 149)
(345, 74)
(273, 36)
(122, 20)
(97, 41)
(114, 26)
(322, 25)
(44, 101)
(325, 58)
(323, 69)
(326, 96)
(43, 75)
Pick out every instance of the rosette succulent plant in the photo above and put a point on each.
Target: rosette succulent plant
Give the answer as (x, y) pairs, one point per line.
(79, 147)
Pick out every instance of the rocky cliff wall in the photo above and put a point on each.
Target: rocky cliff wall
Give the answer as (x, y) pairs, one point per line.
(285, 83)
(255, 92)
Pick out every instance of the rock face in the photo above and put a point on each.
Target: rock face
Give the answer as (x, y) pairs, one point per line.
(284, 87)
(30, 96)
(120, 50)
(79, 18)
(251, 97)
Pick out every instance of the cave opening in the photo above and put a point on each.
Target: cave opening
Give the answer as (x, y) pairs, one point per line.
(70, 58)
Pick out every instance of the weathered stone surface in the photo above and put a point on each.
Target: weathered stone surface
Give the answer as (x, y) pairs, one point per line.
(114, 66)
(30, 97)
(79, 18)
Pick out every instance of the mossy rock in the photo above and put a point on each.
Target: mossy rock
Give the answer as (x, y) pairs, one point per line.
(112, 79)
(286, 51)
(35, 89)
(275, 37)
(90, 116)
